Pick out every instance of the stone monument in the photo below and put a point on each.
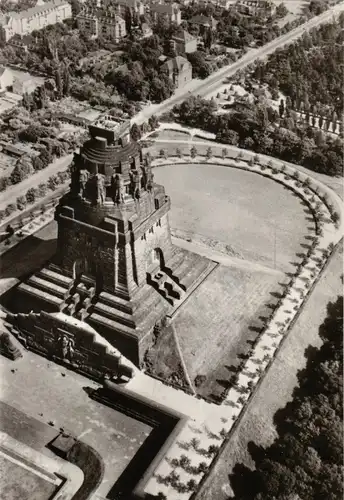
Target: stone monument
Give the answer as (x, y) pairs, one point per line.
(116, 268)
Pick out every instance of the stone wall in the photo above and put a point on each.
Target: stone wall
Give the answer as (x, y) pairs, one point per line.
(68, 344)
(157, 237)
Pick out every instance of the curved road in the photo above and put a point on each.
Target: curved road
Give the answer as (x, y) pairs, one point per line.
(214, 81)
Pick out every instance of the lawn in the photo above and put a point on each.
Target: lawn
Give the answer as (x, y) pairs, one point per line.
(216, 325)
(276, 389)
(257, 218)
(19, 483)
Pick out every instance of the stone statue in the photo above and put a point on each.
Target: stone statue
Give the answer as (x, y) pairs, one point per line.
(135, 183)
(150, 179)
(100, 188)
(67, 347)
(118, 188)
(75, 179)
(84, 175)
(7, 347)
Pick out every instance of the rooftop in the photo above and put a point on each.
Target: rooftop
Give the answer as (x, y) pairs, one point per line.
(52, 4)
(108, 122)
(184, 36)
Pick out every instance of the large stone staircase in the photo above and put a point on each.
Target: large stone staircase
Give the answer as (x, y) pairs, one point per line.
(181, 273)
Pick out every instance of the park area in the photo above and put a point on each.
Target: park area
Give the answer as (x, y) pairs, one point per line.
(256, 218)
(263, 229)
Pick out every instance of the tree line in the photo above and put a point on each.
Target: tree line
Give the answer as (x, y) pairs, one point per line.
(258, 127)
(306, 459)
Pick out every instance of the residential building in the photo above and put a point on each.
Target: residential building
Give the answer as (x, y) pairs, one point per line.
(204, 23)
(169, 12)
(184, 43)
(6, 79)
(259, 8)
(36, 18)
(121, 6)
(179, 71)
(95, 22)
(25, 84)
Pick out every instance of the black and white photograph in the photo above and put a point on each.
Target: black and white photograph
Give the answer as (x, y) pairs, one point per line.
(171, 249)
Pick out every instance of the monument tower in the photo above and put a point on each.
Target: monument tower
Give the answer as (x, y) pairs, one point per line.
(115, 268)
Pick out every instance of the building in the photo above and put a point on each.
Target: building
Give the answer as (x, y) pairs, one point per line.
(36, 18)
(179, 71)
(184, 43)
(203, 22)
(258, 8)
(6, 79)
(169, 12)
(95, 22)
(116, 273)
(24, 84)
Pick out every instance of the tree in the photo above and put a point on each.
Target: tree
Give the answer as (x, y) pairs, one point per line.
(52, 183)
(224, 153)
(42, 190)
(59, 84)
(21, 202)
(31, 195)
(128, 20)
(66, 82)
(193, 152)
(10, 209)
(135, 132)
(153, 122)
(209, 153)
(281, 108)
(37, 163)
(21, 171)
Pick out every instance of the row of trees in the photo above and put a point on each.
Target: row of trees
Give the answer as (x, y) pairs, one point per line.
(309, 71)
(306, 459)
(34, 194)
(257, 127)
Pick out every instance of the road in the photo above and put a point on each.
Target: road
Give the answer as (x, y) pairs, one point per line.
(12, 192)
(214, 81)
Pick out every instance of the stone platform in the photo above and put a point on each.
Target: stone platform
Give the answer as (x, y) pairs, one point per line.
(126, 323)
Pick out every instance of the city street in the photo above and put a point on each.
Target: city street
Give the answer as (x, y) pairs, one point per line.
(214, 81)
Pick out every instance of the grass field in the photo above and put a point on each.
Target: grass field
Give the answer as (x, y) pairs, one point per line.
(19, 483)
(215, 327)
(256, 217)
(276, 390)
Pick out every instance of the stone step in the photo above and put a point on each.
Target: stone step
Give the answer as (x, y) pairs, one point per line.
(114, 314)
(196, 273)
(177, 258)
(48, 286)
(187, 266)
(54, 277)
(55, 301)
(116, 302)
(98, 319)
